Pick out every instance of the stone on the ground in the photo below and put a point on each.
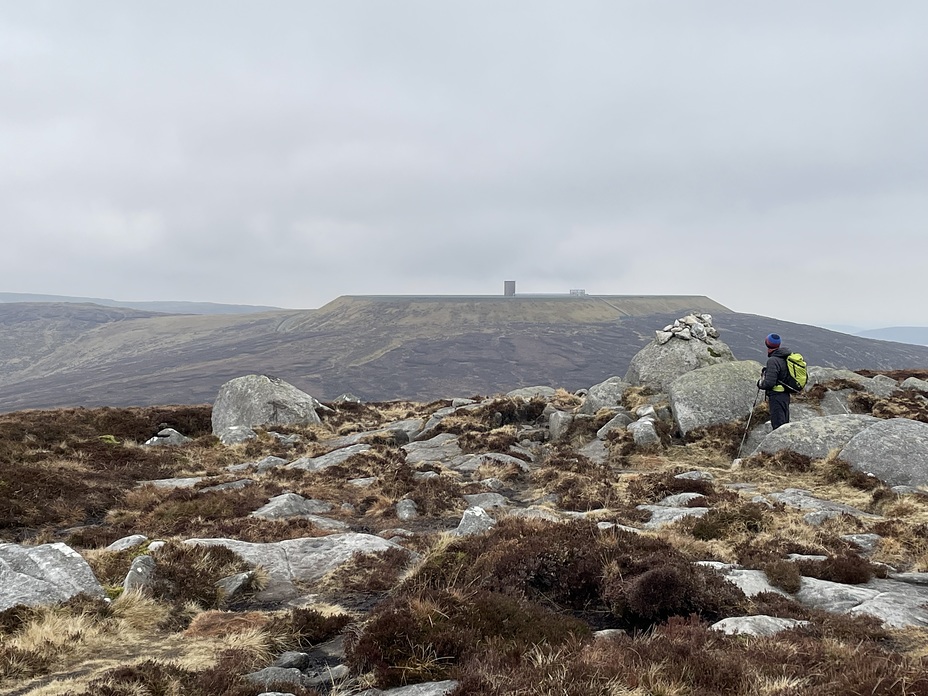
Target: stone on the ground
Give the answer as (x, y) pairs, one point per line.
(657, 365)
(607, 394)
(140, 573)
(714, 394)
(43, 575)
(894, 450)
(333, 458)
(474, 521)
(255, 400)
(168, 437)
(757, 625)
(291, 505)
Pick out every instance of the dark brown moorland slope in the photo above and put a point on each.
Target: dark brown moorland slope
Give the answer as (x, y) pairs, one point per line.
(377, 348)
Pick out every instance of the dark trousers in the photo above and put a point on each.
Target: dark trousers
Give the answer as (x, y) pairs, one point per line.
(779, 408)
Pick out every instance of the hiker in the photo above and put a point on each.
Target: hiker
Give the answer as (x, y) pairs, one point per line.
(771, 378)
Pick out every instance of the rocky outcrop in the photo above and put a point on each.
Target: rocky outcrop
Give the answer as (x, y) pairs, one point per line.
(816, 437)
(672, 354)
(260, 400)
(895, 451)
(713, 394)
(45, 574)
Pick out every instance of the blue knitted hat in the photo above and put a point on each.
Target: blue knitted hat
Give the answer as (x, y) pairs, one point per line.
(772, 341)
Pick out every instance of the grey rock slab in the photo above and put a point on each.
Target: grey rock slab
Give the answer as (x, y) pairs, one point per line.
(915, 384)
(595, 451)
(644, 432)
(291, 505)
(895, 451)
(365, 482)
(606, 394)
(233, 586)
(474, 521)
(661, 516)
(559, 423)
(410, 426)
(330, 676)
(304, 560)
(229, 486)
(718, 393)
(441, 448)
(292, 659)
(260, 466)
(278, 675)
(658, 365)
(896, 604)
(836, 403)
(750, 582)
(696, 476)
(680, 499)
(816, 437)
(168, 437)
(334, 458)
(187, 482)
(757, 625)
(235, 434)
(440, 688)
(42, 575)
(407, 510)
(487, 501)
(865, 543)
(140, 574)
(498, 458)
(804, 500)
(261, 400)
(529, 393)
(535, 513)
(618, 422)
(129, 542)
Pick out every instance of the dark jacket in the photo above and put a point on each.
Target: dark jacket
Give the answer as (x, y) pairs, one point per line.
(775, 371)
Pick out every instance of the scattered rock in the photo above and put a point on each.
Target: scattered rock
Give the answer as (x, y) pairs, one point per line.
(261, 400)
(43, 575)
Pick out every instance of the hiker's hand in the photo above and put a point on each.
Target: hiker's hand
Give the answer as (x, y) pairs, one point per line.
(760, 383)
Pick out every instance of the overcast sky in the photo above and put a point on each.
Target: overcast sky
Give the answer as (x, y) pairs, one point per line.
(770, 155)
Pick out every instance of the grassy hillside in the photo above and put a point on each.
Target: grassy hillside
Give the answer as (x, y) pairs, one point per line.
(377, 348)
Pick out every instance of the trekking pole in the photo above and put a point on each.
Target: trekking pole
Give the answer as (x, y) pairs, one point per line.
(747, 427)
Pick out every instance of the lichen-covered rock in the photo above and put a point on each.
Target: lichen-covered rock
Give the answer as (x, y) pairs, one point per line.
(657, 365)
(261, 400)
(607, 394)
(717, 393)
(43, 575)
(816, 437)
(895, 451)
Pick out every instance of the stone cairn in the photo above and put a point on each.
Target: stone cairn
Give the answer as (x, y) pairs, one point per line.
(692, 326)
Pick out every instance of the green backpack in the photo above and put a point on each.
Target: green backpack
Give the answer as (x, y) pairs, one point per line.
(796, 373)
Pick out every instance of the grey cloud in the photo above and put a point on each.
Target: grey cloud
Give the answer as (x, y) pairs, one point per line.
(168, 150)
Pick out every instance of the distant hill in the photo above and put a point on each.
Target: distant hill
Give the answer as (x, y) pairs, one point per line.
(165, 307)
(917, 335)
(378, 348)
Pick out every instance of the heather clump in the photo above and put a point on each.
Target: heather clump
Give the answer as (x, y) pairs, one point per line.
(425, 636)
(653, 487)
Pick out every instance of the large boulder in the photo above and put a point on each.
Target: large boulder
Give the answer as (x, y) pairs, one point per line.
(816, 437)
(302, 560)
(41, 575)
(895, 451)
(717, 393)
(260, 400)
(657, 365)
